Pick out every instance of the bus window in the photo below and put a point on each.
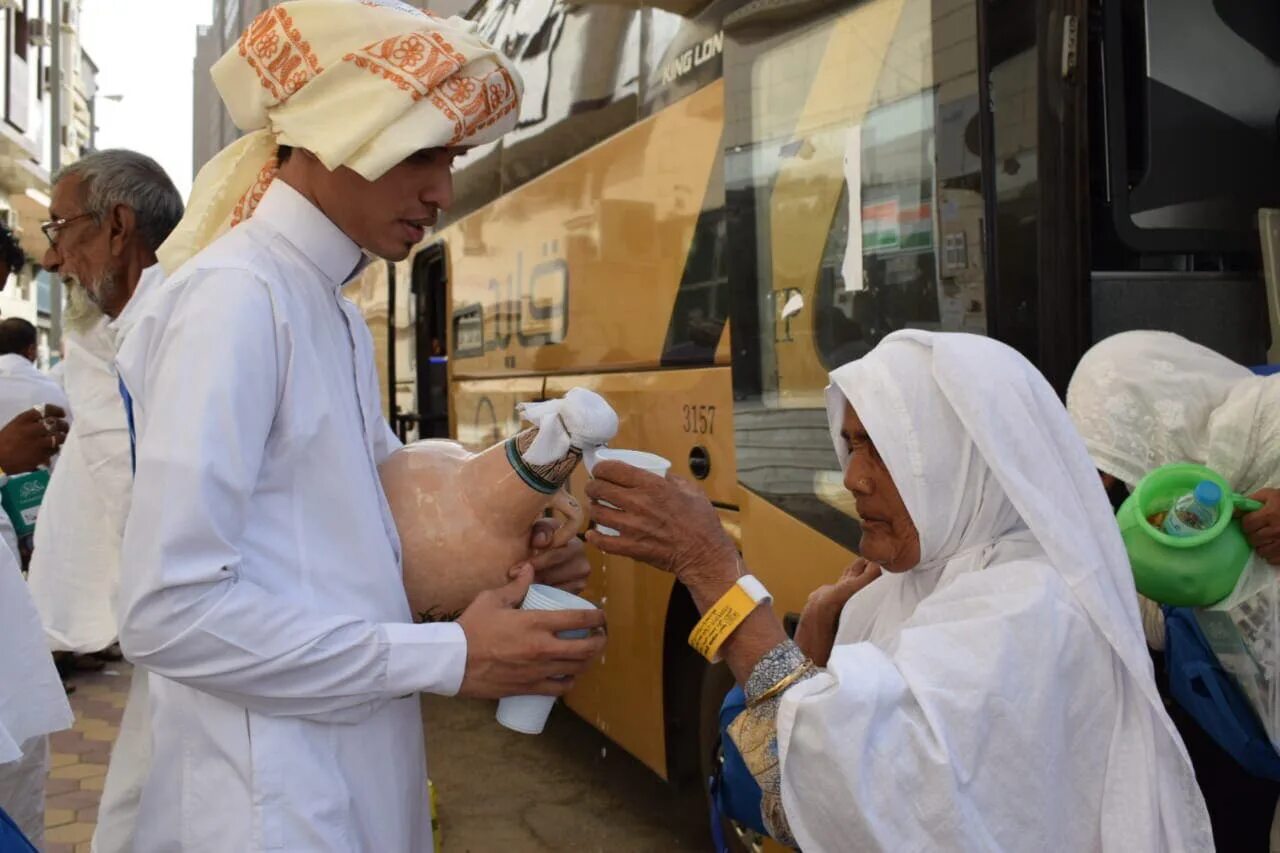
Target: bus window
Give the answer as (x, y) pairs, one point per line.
(855, 207)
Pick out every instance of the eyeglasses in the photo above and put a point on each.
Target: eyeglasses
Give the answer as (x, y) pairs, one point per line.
(54, 227)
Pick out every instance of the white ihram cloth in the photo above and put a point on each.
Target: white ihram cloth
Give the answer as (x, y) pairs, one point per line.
(75, 568)
(359, 84)
(89, 501)
(262, 584)
(32, 701)
(23, 386)
(1146, 399)
(999, 695)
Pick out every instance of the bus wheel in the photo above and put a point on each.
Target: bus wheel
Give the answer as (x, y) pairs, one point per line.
(717, 681)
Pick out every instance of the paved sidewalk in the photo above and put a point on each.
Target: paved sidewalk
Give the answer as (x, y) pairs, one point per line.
(568, 788)
(78, 761)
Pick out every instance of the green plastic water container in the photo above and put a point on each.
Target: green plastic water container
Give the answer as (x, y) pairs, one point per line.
(1183, 571)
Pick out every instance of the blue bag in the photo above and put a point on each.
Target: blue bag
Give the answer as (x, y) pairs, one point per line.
(1208, 693)
(734, 792)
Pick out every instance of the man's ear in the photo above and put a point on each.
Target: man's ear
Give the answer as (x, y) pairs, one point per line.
(123, 223)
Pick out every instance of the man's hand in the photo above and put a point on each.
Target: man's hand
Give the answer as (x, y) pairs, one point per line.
(513, 652)
(816, 633)
(1262, 528)
(565, 566)
(31, 439)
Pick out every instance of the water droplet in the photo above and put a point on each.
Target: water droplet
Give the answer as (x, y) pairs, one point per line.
(604, 752)
(604, 599)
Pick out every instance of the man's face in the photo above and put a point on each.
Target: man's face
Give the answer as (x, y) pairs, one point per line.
(391, 215)
(81, 251)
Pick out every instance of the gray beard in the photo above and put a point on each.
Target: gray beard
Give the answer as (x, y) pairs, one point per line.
(82, 312)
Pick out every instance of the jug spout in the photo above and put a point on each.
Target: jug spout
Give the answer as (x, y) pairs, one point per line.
(548, 477)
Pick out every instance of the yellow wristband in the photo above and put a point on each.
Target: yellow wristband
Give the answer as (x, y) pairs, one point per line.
(724, 617)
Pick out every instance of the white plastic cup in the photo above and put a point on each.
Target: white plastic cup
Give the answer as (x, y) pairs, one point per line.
(528, 714)
(651, 462)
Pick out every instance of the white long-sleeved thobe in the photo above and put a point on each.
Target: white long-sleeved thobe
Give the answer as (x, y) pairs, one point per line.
(261, 582)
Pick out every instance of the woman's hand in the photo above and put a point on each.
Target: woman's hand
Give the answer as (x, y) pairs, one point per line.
(816, 634)
(1262, 527)
(667, 523)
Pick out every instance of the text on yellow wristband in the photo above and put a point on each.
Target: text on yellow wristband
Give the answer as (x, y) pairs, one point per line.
(720, 621)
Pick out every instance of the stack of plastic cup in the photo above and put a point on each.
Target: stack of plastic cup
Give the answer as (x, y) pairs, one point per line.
(528, 714)
(651, 462)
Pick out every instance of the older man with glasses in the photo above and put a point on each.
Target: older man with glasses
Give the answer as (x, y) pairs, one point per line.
(111, 211)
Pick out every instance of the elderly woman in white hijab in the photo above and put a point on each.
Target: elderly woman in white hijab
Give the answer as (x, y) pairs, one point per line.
(986, 685)
(1145, 399)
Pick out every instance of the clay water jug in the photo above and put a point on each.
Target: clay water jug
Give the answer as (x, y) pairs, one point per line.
(465, 518)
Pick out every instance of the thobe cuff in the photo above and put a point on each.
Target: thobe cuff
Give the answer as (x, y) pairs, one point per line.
(428, 658)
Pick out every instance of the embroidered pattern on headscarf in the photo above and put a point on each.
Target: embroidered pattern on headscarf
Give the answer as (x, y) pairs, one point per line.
(474, 104)
(276, 50)
(248, 202)
(416, 63)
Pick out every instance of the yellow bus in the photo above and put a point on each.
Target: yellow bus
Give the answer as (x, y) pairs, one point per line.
(707, 206)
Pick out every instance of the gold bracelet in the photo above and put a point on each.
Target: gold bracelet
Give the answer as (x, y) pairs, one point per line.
(783, 683)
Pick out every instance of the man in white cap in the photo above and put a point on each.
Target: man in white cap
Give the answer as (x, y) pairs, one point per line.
(262, 586)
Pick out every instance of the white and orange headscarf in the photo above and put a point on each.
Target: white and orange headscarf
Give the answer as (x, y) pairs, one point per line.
(361, 83)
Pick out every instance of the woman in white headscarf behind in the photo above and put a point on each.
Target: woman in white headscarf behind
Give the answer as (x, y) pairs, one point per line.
(1145, 399)
(989, 690)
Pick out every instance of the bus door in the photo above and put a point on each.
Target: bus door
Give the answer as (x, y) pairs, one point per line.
(430, 300)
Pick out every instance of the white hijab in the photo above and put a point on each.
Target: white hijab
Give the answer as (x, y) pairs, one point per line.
(992, 470)
(1146, 399)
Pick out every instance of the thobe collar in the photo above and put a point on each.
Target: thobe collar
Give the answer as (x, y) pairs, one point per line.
(287, 212)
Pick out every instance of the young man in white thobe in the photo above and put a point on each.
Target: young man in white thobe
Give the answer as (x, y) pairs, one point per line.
(262, 586)
(110, 212)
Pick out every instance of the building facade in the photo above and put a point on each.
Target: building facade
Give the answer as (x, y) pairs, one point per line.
(35, 139)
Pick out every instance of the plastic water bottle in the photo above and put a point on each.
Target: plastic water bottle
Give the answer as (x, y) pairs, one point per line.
(1195, 511)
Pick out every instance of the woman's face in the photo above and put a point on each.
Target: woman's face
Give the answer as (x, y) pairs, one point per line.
(889, 536)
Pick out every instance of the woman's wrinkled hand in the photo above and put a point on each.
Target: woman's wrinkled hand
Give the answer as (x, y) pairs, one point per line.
(667, 523)
(1262, 527)
(820, 619)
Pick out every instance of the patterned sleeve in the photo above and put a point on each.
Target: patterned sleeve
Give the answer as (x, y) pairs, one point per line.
(755, 732)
